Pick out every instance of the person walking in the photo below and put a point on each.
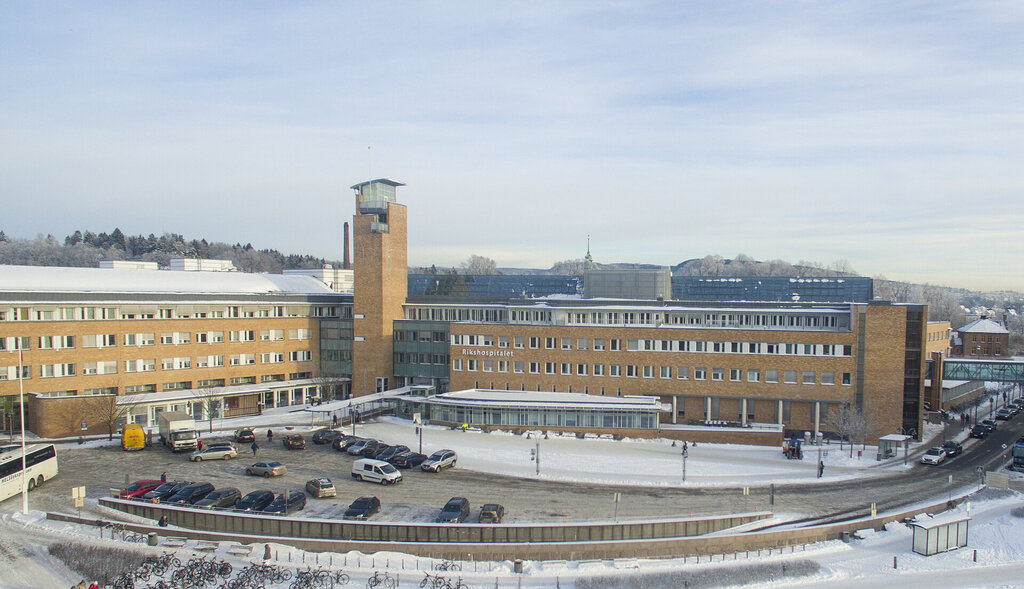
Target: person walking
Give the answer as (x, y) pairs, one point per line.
(199, 443)
(255, 447)
(270, 435)
(163, 477)
(821, 469)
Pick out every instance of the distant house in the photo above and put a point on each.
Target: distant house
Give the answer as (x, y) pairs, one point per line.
(982, 338)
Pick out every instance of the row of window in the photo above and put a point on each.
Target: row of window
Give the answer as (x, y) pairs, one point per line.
(649, 371)
(420, 358)
(60, 342)
(185, 384)
(149, 365)
(652, 345)
(115, 313)
(828, 320)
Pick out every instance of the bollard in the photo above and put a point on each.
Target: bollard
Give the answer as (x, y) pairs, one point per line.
(517, 565)
(975, 555)
(153, 539)
(894, 562)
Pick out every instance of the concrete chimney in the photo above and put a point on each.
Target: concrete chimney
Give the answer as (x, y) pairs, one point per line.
(346, 263)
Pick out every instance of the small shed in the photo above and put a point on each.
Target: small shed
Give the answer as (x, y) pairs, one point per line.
(889, 445)
(940, 534)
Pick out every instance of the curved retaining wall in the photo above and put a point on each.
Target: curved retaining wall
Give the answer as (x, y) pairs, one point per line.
(316, 536)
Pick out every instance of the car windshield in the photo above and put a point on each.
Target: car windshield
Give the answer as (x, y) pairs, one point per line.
(933, 452)
(360, 503)
(437, 456)
(273, 464)
(388, 468)
(453, 506)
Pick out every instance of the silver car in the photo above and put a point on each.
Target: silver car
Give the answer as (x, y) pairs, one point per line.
(268, 468)
(214, 452)
(440, 459)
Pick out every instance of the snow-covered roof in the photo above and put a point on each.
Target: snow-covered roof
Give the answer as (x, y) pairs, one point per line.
(983, 326)
(545, 400)
(35, 279)
(943, 519)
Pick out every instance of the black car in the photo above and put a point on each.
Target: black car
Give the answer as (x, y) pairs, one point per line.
(245, 434)
(362, 508)
(455, 511)
(491, 513)
(165, 490)
(191, 493)
(407, 459)
(979, 431)
(326, 436)
(341, 444)
(953, 448)
(255, 501)
(990, 424)
(390, 452)
(284, 503)
(294, 442)
(220, 498)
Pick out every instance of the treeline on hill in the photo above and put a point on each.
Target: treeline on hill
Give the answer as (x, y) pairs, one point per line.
(87, 249)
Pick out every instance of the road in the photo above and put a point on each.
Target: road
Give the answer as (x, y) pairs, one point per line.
(420, 495)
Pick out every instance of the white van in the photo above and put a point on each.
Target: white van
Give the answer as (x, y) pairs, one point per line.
(376, 471)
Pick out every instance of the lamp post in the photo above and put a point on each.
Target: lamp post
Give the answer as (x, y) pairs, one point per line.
(685, 453)
(21, 409)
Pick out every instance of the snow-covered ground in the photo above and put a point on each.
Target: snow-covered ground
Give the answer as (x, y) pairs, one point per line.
(995, 536)
(995, 532)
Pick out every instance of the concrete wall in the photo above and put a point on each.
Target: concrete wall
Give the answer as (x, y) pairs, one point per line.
(322, 536)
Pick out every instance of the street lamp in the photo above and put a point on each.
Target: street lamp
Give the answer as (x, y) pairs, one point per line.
(21, 409)
(685, 454)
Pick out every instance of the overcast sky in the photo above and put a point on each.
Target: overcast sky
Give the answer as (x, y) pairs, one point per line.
(889, 134)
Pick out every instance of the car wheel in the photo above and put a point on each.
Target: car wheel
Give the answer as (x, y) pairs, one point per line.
(39, 481)
(199, 459)
(248, 472)
(266, 475)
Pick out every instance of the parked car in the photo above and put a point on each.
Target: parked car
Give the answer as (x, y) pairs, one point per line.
(165, 490)
(357, 448)
(326, 436)
(284, 503)
(138, 488)
(189, 494)
(979, 431)
(491, 513)
(438, 460)
(455, 511)
(245, 434)
(1004, 414)
(220, 498)
(934, 456)
(408, 459)
(294, 442)
(363, 508)
(342, 444)
(369, 449)
(375, 471)
(269, 468)
(953, 448)
(990, 424)
(321, 487)
(389, 452)
(255, 501)
(214, 452)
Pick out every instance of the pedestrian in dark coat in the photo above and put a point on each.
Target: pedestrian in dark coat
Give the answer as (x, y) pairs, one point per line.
(255, 447)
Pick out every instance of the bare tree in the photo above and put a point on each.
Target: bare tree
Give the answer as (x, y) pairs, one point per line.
(479, 265)
(209, 400)
(569, 267)
(325, 384)
(108, 411)
(850, 423)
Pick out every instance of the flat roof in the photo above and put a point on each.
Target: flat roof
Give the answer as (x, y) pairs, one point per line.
(40, 279)
(377, 181)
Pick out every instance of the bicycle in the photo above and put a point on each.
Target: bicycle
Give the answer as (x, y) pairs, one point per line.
(377, 579)
(447, 565)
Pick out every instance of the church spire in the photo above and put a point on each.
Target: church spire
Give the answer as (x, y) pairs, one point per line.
(588, 261)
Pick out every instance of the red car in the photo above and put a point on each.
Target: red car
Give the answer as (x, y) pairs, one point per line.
(138, 489)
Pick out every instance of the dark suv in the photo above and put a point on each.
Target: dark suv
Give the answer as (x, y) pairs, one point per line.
(362, 508)
(192, 493)
(294, 501)
(294, 442)
(255, 501)
(455, 511)
(220, 498)
(979, 431)
(164, 491)
(326, 436)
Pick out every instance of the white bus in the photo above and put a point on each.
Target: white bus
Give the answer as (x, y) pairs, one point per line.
(40, 462)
